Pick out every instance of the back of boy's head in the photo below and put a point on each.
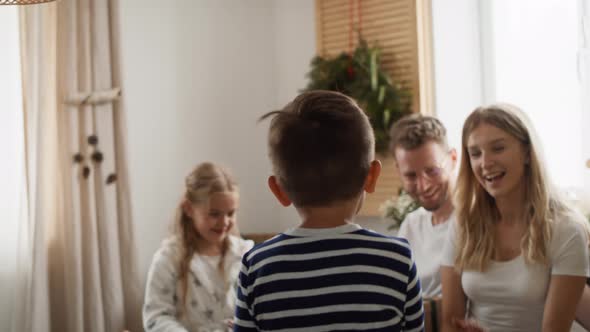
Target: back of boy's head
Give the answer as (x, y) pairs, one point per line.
(321, 146)
(412, 131)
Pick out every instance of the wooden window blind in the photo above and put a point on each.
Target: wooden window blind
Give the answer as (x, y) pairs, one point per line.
(402, 29)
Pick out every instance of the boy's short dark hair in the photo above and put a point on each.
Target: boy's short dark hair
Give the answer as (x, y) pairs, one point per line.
(413, 130)
(321, 146)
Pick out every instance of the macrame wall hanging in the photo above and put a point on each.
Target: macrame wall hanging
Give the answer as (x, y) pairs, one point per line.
(92, 99)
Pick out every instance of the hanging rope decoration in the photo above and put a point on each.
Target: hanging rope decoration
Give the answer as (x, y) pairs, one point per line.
(78, 158)
(93, 140)
(351, 29)
(86, 172)
(93, 98)
(96, 156)
(111, 178)
(350, 25)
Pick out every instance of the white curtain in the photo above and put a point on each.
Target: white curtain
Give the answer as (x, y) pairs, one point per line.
(78, 262)
(11, 146)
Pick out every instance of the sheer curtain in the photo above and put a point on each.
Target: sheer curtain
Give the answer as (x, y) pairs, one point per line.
(11, 148)
(78, 267)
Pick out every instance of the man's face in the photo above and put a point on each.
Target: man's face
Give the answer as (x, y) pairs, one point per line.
(426, 173)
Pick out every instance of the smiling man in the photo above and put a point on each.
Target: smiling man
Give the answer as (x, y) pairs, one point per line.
(425, 163)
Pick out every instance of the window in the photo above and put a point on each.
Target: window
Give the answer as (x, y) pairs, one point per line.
(532, 51)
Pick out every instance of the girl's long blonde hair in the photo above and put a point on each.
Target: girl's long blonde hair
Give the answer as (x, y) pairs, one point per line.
(205, 180)
(476, 209)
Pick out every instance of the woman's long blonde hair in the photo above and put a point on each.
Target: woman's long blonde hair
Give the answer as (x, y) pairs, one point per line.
(206, 179)
(477, 211)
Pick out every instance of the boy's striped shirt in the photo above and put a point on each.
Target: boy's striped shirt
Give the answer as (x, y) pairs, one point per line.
(338, 279)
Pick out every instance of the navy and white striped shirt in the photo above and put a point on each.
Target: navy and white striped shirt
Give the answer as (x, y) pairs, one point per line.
(339, 279)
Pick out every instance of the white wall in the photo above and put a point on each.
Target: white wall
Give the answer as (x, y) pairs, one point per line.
(11, 151)
(197, 75)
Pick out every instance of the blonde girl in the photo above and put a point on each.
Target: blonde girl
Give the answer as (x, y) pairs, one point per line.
(517, 257)
(190, 284)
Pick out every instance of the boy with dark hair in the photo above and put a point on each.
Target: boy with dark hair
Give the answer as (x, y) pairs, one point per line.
(328, 274)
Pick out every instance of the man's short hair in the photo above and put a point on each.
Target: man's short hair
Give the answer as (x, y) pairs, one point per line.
(321, 146)
(412, 131)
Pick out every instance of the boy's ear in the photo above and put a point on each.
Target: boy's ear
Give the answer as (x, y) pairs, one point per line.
(371, 180)
(279, 193)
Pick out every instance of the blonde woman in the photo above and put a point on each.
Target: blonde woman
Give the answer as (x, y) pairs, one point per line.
(517, 257)
(191, 282)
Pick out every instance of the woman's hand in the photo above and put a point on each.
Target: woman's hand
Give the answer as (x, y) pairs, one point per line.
(229, 323)
(467, 325)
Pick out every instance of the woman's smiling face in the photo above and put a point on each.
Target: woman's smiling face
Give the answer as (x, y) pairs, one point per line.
(498, 161)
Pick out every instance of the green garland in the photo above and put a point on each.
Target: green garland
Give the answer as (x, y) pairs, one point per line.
(361, 77)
